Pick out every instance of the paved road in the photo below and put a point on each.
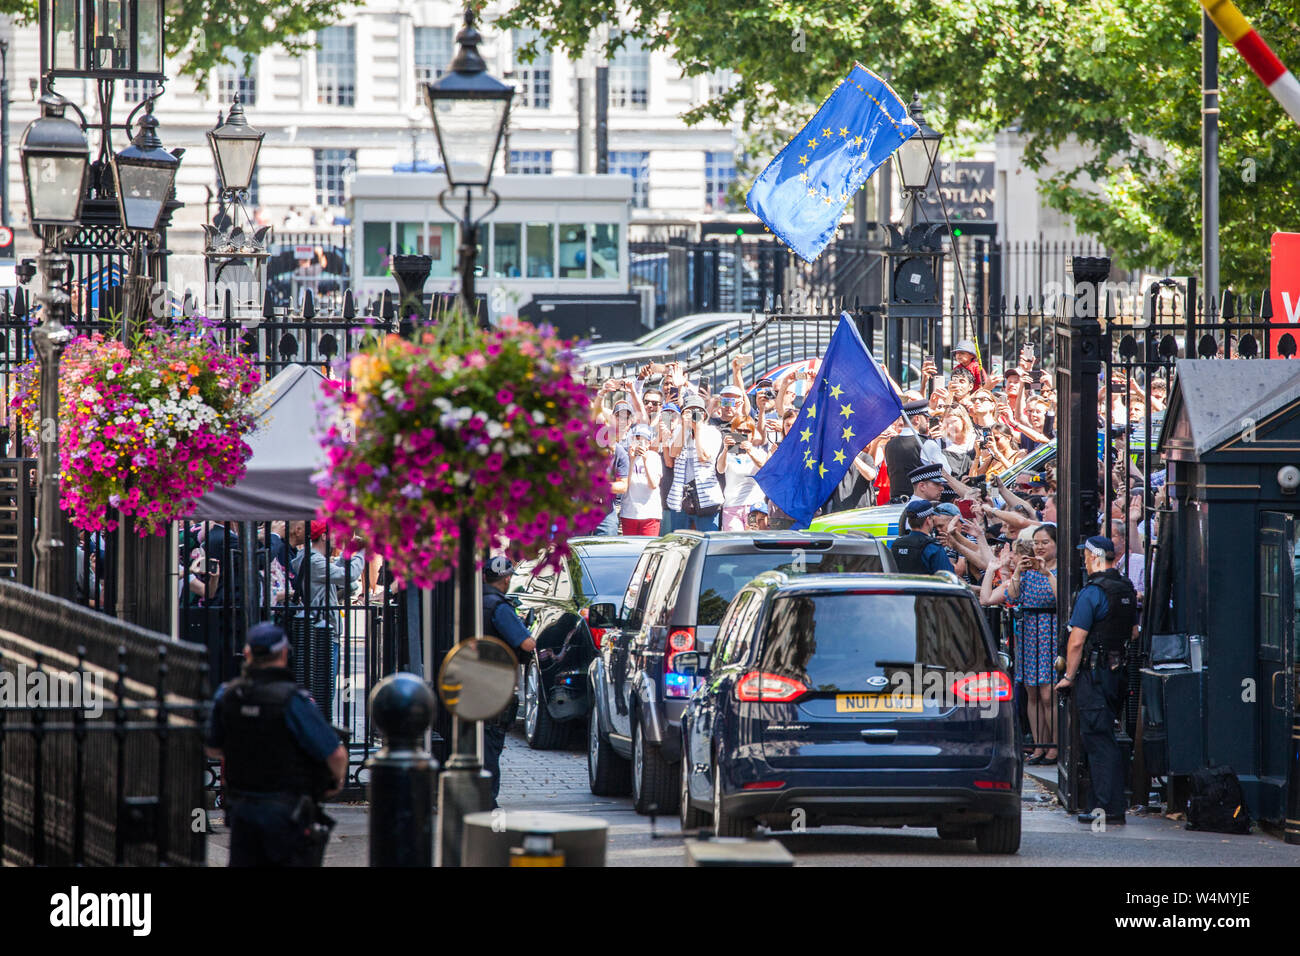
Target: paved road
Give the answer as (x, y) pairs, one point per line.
(557, 781)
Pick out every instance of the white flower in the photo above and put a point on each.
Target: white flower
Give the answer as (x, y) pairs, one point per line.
(519, 448)
(538, 417)
(459, 477)
(499, 447)
(494, 429)
(89, 394)
(481, 448)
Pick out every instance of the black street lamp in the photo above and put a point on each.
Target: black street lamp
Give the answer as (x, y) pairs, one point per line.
(235, 256)
(235, 146)
(469, 109)
(96, 39)
(917, 156)
(56, 160)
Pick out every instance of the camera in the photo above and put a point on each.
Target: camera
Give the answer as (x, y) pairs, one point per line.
(694, 415)
(214, 565)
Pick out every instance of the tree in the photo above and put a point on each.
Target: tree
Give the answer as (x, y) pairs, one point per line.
(1122, 77)
(204, 34)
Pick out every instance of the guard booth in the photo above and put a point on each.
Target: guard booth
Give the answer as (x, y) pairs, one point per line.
(1223, 691)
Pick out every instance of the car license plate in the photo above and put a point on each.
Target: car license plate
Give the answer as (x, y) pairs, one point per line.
(878, 703)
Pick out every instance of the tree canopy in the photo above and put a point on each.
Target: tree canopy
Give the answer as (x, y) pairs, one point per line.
(1122, 77)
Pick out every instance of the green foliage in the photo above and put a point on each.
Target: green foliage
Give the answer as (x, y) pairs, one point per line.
(1123, 78)
(203, 34)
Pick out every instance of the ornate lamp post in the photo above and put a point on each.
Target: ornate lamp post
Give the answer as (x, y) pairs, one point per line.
(235, 255)
(914, 257)
(469, 110)
(55, 159)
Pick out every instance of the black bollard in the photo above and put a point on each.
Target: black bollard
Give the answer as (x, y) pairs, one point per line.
(402, 774)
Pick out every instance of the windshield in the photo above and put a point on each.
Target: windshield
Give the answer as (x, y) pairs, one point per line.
(608, 574)
(725, 574)
(837, 642)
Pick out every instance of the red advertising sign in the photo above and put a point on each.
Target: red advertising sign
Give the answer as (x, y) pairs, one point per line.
(1284, 286)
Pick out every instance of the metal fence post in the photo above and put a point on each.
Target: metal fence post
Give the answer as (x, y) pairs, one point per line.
(1079, 362)
(402, 774)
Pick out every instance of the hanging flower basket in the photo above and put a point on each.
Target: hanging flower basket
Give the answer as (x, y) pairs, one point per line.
(489, 427)
(146, 430)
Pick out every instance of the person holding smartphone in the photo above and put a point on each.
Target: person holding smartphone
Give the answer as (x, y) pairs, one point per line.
(740, 460)
(642, 509)
(1033, 588)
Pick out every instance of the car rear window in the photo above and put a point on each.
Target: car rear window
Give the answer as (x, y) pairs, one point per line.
(608, 573)
(726, 574)
(836, 642)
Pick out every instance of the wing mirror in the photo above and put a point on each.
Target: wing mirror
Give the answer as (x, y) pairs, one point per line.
(691, 663)
(602, 615)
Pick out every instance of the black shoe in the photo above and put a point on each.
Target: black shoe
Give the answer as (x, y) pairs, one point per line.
(1111, 821)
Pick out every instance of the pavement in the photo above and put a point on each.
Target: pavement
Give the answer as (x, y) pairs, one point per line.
(556, 781)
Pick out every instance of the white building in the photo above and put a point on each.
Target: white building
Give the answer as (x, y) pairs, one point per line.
(354, 106)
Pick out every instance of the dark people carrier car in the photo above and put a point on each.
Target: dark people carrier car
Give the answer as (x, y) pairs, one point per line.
(566, 612)
(852, 699)
(675, 600)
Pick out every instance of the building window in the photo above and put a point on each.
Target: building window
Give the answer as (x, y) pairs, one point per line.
(533, 162)
(533, 80)
(434, 49)
(719, 174)
(234, 80)
(720, 81)
(637, 165)
(332, 165)
(629, 77)
(336, 66)
(133, 91)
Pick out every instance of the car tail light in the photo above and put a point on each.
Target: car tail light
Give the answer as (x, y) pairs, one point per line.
(769, 688)
(980, 688)
(597, 633)
(992, 785)
(764, 785)
(682, 639)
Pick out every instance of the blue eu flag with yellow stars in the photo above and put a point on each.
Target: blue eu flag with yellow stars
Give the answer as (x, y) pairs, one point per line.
(801, 194)
(849, 404)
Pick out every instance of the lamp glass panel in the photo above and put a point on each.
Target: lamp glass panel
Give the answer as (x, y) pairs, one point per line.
(149, 36)
(914, 163)
(64, 42)
(143, 190)
(110, 34)
(469, 131)
(235, 161)
(54, 187)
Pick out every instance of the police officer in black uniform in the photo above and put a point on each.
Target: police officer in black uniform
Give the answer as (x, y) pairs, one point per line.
(1103, 622)
(280, 757)
(917, 552)
(500, 620)
(903, 452)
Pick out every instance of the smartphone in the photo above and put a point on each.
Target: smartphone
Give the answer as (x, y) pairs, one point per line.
(214, 565)
(938, 381)
(967, 509)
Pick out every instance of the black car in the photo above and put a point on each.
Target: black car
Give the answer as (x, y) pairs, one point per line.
(565, 612)
(853, 699)
(675, 600)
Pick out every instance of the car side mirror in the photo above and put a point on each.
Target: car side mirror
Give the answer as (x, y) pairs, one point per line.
(602, 615)
(691, 663)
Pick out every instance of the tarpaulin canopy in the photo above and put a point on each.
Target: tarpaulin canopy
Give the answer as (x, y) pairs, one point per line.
(286, 452)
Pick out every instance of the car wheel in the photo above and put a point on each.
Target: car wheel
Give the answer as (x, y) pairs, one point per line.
(654, 779)
(541, 730)
(951, 832)
(607, 772)
(691, 817)
(1002, 835)
(724, 824)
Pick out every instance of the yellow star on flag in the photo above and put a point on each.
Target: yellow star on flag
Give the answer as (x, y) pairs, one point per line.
(803, 177)
(827, 200)
(846, 411)
(857, 141)
(844, 131)
(803, 160)
(827, 132)
(848, 433)
(811, 462)
(839, 457)
(812, 191)
(812, 143)
(812, 411)
(836, 391)
(806, 435)
(821, 469)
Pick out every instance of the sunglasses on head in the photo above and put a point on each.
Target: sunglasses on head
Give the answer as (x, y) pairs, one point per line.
(730, 401)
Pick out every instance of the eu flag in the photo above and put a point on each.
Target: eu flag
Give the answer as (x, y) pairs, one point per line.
(847, 407)
(801, 194)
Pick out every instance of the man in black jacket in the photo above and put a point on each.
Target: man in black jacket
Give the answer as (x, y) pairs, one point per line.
(279, 757)
(500, 620)
(903, 452)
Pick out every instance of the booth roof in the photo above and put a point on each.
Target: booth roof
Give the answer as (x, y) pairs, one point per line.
(1217, 395)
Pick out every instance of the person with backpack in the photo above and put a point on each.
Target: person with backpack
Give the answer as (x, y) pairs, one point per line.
(1103, 622)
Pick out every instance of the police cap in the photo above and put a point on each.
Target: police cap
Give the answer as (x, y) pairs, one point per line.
(266, 639)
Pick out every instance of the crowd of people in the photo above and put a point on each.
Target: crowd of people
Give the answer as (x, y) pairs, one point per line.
(683, 457)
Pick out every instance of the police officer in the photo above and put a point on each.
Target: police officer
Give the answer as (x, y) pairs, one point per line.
(500, 620)
(917, 552)
(928, 483)
(903, 452)
(280, 756)
(1103, 622)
